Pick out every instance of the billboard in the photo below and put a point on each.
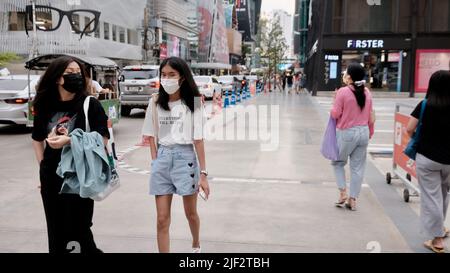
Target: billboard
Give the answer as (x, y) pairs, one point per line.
(213, 42)
(429, 61)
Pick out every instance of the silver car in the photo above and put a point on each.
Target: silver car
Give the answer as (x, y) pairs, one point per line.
(138, 83)
(14, 98)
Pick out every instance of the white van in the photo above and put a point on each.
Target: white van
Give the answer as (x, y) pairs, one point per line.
(137, 84)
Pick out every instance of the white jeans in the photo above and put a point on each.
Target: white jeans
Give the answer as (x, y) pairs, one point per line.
(434, 180)
(352, 143)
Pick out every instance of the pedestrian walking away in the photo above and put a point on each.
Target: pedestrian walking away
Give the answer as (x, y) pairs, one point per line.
(59, 111)
(174, 122)
(352, 109)
(433, 158)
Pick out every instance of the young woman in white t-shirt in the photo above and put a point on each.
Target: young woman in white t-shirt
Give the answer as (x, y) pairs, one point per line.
(174, 122)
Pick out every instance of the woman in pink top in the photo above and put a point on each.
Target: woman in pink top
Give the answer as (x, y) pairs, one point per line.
(352, 109)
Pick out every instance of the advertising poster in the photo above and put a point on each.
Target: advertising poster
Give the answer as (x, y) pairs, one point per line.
(429, 61)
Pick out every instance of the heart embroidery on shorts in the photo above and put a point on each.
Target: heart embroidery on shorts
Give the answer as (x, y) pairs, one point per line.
(192, 175)
(190, 164)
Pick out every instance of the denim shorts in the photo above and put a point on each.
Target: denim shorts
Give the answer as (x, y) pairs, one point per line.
(175, 170)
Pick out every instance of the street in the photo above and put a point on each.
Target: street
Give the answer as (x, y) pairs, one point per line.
(275, 200)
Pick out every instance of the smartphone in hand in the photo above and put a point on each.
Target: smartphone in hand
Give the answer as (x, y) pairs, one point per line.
(202, 194)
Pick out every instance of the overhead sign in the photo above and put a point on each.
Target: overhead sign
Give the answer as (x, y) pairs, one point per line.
(365, 43)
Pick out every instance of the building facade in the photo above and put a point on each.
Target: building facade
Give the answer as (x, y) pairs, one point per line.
(399, 42)
(286, 24)
(116, 36)
(248, 13)
(301, 24)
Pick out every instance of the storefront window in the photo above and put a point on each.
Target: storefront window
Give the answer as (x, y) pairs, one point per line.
(382, 68)
(106, 31)
(121, 35)
(76, 21)
(114, 33)
(16, 21)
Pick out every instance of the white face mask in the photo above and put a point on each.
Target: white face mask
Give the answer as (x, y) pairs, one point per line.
(170, 85)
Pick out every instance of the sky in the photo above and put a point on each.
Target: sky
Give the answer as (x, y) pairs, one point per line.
(287, 5)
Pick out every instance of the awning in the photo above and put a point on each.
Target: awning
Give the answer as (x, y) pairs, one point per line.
(43, 61)
(211, 65)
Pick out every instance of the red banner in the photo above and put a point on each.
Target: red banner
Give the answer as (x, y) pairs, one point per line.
(401, 139)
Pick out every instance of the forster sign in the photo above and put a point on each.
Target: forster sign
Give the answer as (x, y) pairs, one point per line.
(365, 43)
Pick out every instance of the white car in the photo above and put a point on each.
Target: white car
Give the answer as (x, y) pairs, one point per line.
(208, 86)
(14, 98)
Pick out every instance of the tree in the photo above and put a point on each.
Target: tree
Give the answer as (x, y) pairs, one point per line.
(272, 43)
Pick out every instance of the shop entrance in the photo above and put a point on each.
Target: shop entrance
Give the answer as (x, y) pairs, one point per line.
(383, 68)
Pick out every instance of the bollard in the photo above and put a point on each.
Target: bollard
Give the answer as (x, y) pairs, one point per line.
(226, 101)
(238, 98)
(233, 98)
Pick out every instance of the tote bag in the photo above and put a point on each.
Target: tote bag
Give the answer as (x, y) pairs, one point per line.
(329, 147)
(114, 183)
(411, 148)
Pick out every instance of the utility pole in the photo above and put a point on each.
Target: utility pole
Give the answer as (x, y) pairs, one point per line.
(145, 45)
(412, 74)
(34, 41)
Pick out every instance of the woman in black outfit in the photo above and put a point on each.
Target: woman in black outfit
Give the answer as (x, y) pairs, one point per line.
(433, 159)
(58, 108)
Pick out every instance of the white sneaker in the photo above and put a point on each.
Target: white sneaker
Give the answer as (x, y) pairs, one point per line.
(196, 250)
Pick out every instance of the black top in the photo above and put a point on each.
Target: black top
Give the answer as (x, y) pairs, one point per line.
(435, 133)
(69, 114)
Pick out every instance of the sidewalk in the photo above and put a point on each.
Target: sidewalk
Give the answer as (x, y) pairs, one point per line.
(280, 201)
(377, 94)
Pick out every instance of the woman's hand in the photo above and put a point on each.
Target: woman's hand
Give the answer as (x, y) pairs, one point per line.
(204, 185)
(57, 142)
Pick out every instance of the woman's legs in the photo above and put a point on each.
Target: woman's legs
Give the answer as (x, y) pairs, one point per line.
(358, 161)
(190, 209)
(432, 198)
(163, 205)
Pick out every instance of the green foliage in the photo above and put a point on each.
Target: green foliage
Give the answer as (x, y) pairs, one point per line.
(272, 43)
(7, 57)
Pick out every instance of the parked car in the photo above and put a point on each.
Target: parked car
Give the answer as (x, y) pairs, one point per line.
(14, 98)
(138, 83)
(208, 86)
(228, 82)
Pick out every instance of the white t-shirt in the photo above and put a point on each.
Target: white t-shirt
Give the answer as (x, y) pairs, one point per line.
(177, 126)
(97, 86)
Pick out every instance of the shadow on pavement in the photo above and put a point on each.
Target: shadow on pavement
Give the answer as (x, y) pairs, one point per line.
(14, 130)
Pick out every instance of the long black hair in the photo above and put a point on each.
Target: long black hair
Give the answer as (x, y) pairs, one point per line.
(188, 89)
(47, 94)
(357, 73)
(438, 93)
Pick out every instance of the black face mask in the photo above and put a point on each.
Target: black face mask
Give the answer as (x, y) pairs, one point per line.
(73, 83)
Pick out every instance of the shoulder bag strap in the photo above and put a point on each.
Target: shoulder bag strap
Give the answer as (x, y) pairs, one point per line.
(422, 110)
(155, 117)
(86, 111)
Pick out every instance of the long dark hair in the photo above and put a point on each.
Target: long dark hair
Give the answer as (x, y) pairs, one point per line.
(438, 93)
(188, 88)
(357, 73)
(47, 94)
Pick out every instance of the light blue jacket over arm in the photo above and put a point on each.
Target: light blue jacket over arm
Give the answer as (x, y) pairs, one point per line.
(84, 165)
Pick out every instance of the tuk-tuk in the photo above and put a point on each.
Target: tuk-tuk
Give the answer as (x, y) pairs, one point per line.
(104, 71)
